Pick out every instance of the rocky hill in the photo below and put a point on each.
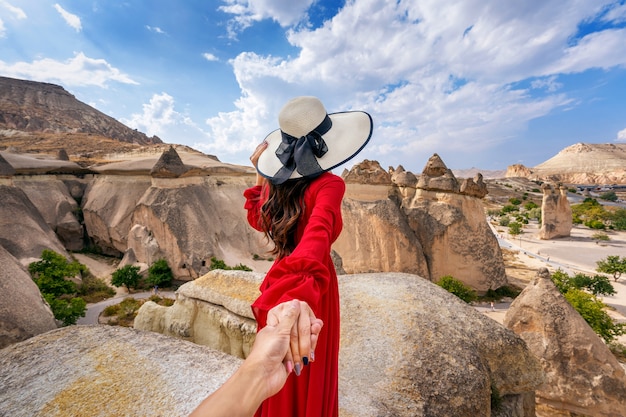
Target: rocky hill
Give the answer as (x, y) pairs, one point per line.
(42, 117)
(581, 163)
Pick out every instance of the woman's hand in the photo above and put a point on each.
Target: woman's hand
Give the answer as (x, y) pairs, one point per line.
(254, 158)
(303, 336)
(265, 370)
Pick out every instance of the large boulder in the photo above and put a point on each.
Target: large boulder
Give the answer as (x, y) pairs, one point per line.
(24, 233)
(59, 209)
(582, 375)
(213, 310)
(403, 351)
(23, 311)
(108, 372)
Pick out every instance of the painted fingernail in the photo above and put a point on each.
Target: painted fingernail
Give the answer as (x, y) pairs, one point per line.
(312, 355)
(305, 360)
(289, 366)
(298, 369)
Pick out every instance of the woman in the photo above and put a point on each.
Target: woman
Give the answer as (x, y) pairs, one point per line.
(297, 204)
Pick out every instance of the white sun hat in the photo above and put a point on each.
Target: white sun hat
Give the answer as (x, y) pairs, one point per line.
(310, 141)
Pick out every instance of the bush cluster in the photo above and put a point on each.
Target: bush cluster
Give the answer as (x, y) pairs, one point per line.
(456, 287)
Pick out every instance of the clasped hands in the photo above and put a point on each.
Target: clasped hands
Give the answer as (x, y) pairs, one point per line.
(280, 348)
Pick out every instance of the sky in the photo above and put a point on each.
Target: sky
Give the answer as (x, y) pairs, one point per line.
(482, 83)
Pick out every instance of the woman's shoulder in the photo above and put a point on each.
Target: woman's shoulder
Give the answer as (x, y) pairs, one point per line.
(327, 180)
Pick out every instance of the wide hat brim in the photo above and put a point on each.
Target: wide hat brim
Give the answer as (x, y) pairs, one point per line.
(350, 132)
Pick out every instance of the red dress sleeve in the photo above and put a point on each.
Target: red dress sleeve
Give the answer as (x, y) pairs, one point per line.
(304, 274)
(253, 205)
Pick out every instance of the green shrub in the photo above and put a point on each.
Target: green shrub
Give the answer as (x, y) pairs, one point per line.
(504, 221)
(457, 288)
(508, 209)
(219, 264)
(530, 205)
(94, 289)
(609, 196)
(160, 274)
(600, 236)
(515, 201)
(515, 228)
(595, 224)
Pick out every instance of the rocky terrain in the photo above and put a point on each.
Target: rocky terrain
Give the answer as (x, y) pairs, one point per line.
(69, 188)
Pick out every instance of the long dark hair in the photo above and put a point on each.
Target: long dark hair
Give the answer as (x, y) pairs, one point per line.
(280, 214)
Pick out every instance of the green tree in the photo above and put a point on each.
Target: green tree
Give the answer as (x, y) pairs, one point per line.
(67, 310)
(127, 276)
(592, 310)
(51, 275)
(160, 274)
(457, 288)
(51, 271)
(219, 264)
(597, 285)
(613, 265)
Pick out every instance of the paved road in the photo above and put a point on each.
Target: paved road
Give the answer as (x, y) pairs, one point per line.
(94, 310)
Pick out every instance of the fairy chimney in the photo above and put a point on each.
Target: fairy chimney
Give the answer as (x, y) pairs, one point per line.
(169, 165)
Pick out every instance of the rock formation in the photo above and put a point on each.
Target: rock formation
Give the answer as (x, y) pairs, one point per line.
(409, 358)
(431, 226)
(518, 170)
(169, 165)
(108, 371)
(582, 375)
(23, 312)
(24, 233)
(556, 213)
(367, 172)
(58, 208)
(213, 310)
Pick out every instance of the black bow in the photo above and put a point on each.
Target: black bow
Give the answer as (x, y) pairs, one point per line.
(301, 153)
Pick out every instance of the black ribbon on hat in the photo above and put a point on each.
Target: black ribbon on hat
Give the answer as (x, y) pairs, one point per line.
(301, 153)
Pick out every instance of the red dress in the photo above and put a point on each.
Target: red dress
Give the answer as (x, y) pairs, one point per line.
(307, 274)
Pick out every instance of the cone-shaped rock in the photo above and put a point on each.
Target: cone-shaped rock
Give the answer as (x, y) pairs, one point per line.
(437, 177)
(169, 165)
(583, 376)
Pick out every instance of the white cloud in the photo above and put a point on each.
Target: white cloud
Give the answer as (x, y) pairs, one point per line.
(247, 12)
(157, 114)
(621, 136)
(440, 73)
(160, 118)
(2, 29)
(156, 29)
(77, 71)
(210, 57)
(71, 19)
(17, 12)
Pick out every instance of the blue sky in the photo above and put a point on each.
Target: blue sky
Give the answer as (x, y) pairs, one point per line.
(483, 83)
